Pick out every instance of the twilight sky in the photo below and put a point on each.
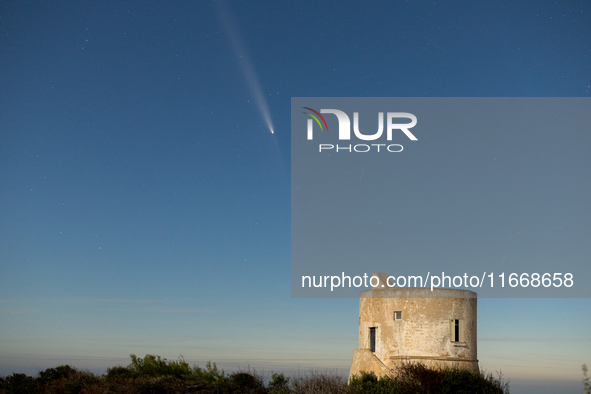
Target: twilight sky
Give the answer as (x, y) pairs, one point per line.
(145, 207)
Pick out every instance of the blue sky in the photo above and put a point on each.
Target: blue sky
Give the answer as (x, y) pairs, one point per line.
(145, 207)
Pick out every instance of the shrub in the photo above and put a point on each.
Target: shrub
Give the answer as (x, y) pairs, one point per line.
(158, 385)
(120, 372)
(418, 378)
(74, 383)
(19, 383)
(278, 384)
(210, 374)
(247, 382)
(461, 381)
(156, 366)
(62, 371)
(370, 383)
(318, 383)
(586, 384)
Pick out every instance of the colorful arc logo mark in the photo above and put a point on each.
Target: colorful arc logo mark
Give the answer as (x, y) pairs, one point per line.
(316, 118)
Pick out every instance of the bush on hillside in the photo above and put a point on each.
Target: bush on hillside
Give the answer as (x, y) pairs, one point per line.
(318, 383)
(414, 378)
(154, 375)
(247, 382)
(278, 384)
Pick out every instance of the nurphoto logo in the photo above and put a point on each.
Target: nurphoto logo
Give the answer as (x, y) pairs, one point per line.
(345, 130)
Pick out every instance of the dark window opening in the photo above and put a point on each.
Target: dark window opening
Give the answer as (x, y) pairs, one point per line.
(398, 315)
(372, 339)
(456, 332)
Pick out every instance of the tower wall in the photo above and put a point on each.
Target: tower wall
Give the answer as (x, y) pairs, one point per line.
(437, 328)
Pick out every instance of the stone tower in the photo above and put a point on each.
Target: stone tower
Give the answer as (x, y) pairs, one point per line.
(396, 325)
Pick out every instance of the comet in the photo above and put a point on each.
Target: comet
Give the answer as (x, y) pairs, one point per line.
(241, 53)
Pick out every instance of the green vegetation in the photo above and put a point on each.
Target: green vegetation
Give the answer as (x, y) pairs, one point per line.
(586, 384)
(156, 375)
(417, 378)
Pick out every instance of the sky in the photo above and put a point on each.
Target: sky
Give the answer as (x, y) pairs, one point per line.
(145, 203)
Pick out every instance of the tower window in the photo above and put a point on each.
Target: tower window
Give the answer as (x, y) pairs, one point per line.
(456, 328)
(372, 339)
(397, 315)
